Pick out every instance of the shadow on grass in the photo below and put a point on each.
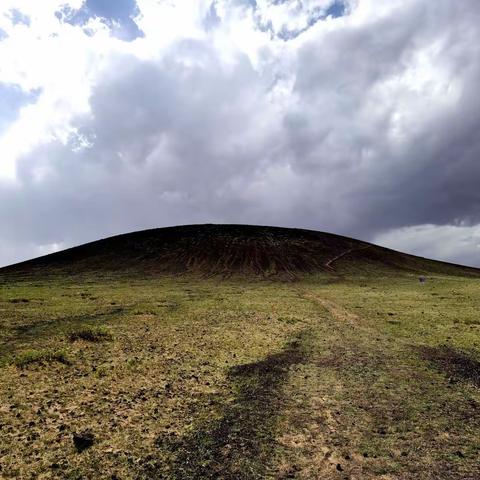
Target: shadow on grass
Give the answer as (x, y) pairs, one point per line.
(458, 365)
(29, 333)
(239, 444)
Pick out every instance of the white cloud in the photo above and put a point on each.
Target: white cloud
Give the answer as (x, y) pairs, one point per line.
(359, 124)
(451, 243)
(55, 58)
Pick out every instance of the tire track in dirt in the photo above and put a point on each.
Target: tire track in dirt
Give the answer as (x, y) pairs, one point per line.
(339, 313)
(328, 452)
(322, 458)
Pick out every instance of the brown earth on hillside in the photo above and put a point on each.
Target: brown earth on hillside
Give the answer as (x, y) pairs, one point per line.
(227, 250)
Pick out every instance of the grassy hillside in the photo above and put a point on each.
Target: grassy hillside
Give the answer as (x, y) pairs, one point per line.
(354, 370)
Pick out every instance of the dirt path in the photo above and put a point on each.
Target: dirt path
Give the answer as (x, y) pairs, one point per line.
(326, 445)
(330, 262)
(338, 313)
(341, 316)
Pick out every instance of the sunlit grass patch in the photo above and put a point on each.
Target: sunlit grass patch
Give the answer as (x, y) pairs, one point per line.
(470, 321)
(227, 385)
(41, 356)
(19, 300)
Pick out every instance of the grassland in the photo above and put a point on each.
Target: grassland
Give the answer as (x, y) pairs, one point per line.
(329, 377)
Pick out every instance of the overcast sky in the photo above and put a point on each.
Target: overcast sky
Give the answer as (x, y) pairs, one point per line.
(358, 117)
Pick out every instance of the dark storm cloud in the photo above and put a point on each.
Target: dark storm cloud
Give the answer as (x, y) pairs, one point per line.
(433, 176)
(356, 128)
(162, 155)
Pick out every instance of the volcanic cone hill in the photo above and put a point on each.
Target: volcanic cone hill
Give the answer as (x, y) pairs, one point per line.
(227, 250)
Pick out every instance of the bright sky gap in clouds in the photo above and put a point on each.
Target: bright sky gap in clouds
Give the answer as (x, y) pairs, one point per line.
(359, 117)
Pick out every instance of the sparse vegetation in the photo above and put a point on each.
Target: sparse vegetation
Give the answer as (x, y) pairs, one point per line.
(241, 378)
(90, 334)
(40, 356)
(19, 300)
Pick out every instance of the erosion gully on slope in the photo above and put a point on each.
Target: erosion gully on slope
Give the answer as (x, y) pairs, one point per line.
(329, 264)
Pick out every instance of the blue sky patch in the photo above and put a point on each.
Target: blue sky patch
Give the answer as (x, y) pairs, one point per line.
(116, 14)
(211, 19)
(12, 99)
(16, 16)
(337, 9)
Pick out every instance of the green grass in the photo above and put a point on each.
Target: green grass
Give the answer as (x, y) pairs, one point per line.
(28, 357)
(90, 334)
(371, 377)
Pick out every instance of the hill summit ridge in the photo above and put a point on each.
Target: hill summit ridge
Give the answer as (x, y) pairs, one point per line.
(226, 250)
